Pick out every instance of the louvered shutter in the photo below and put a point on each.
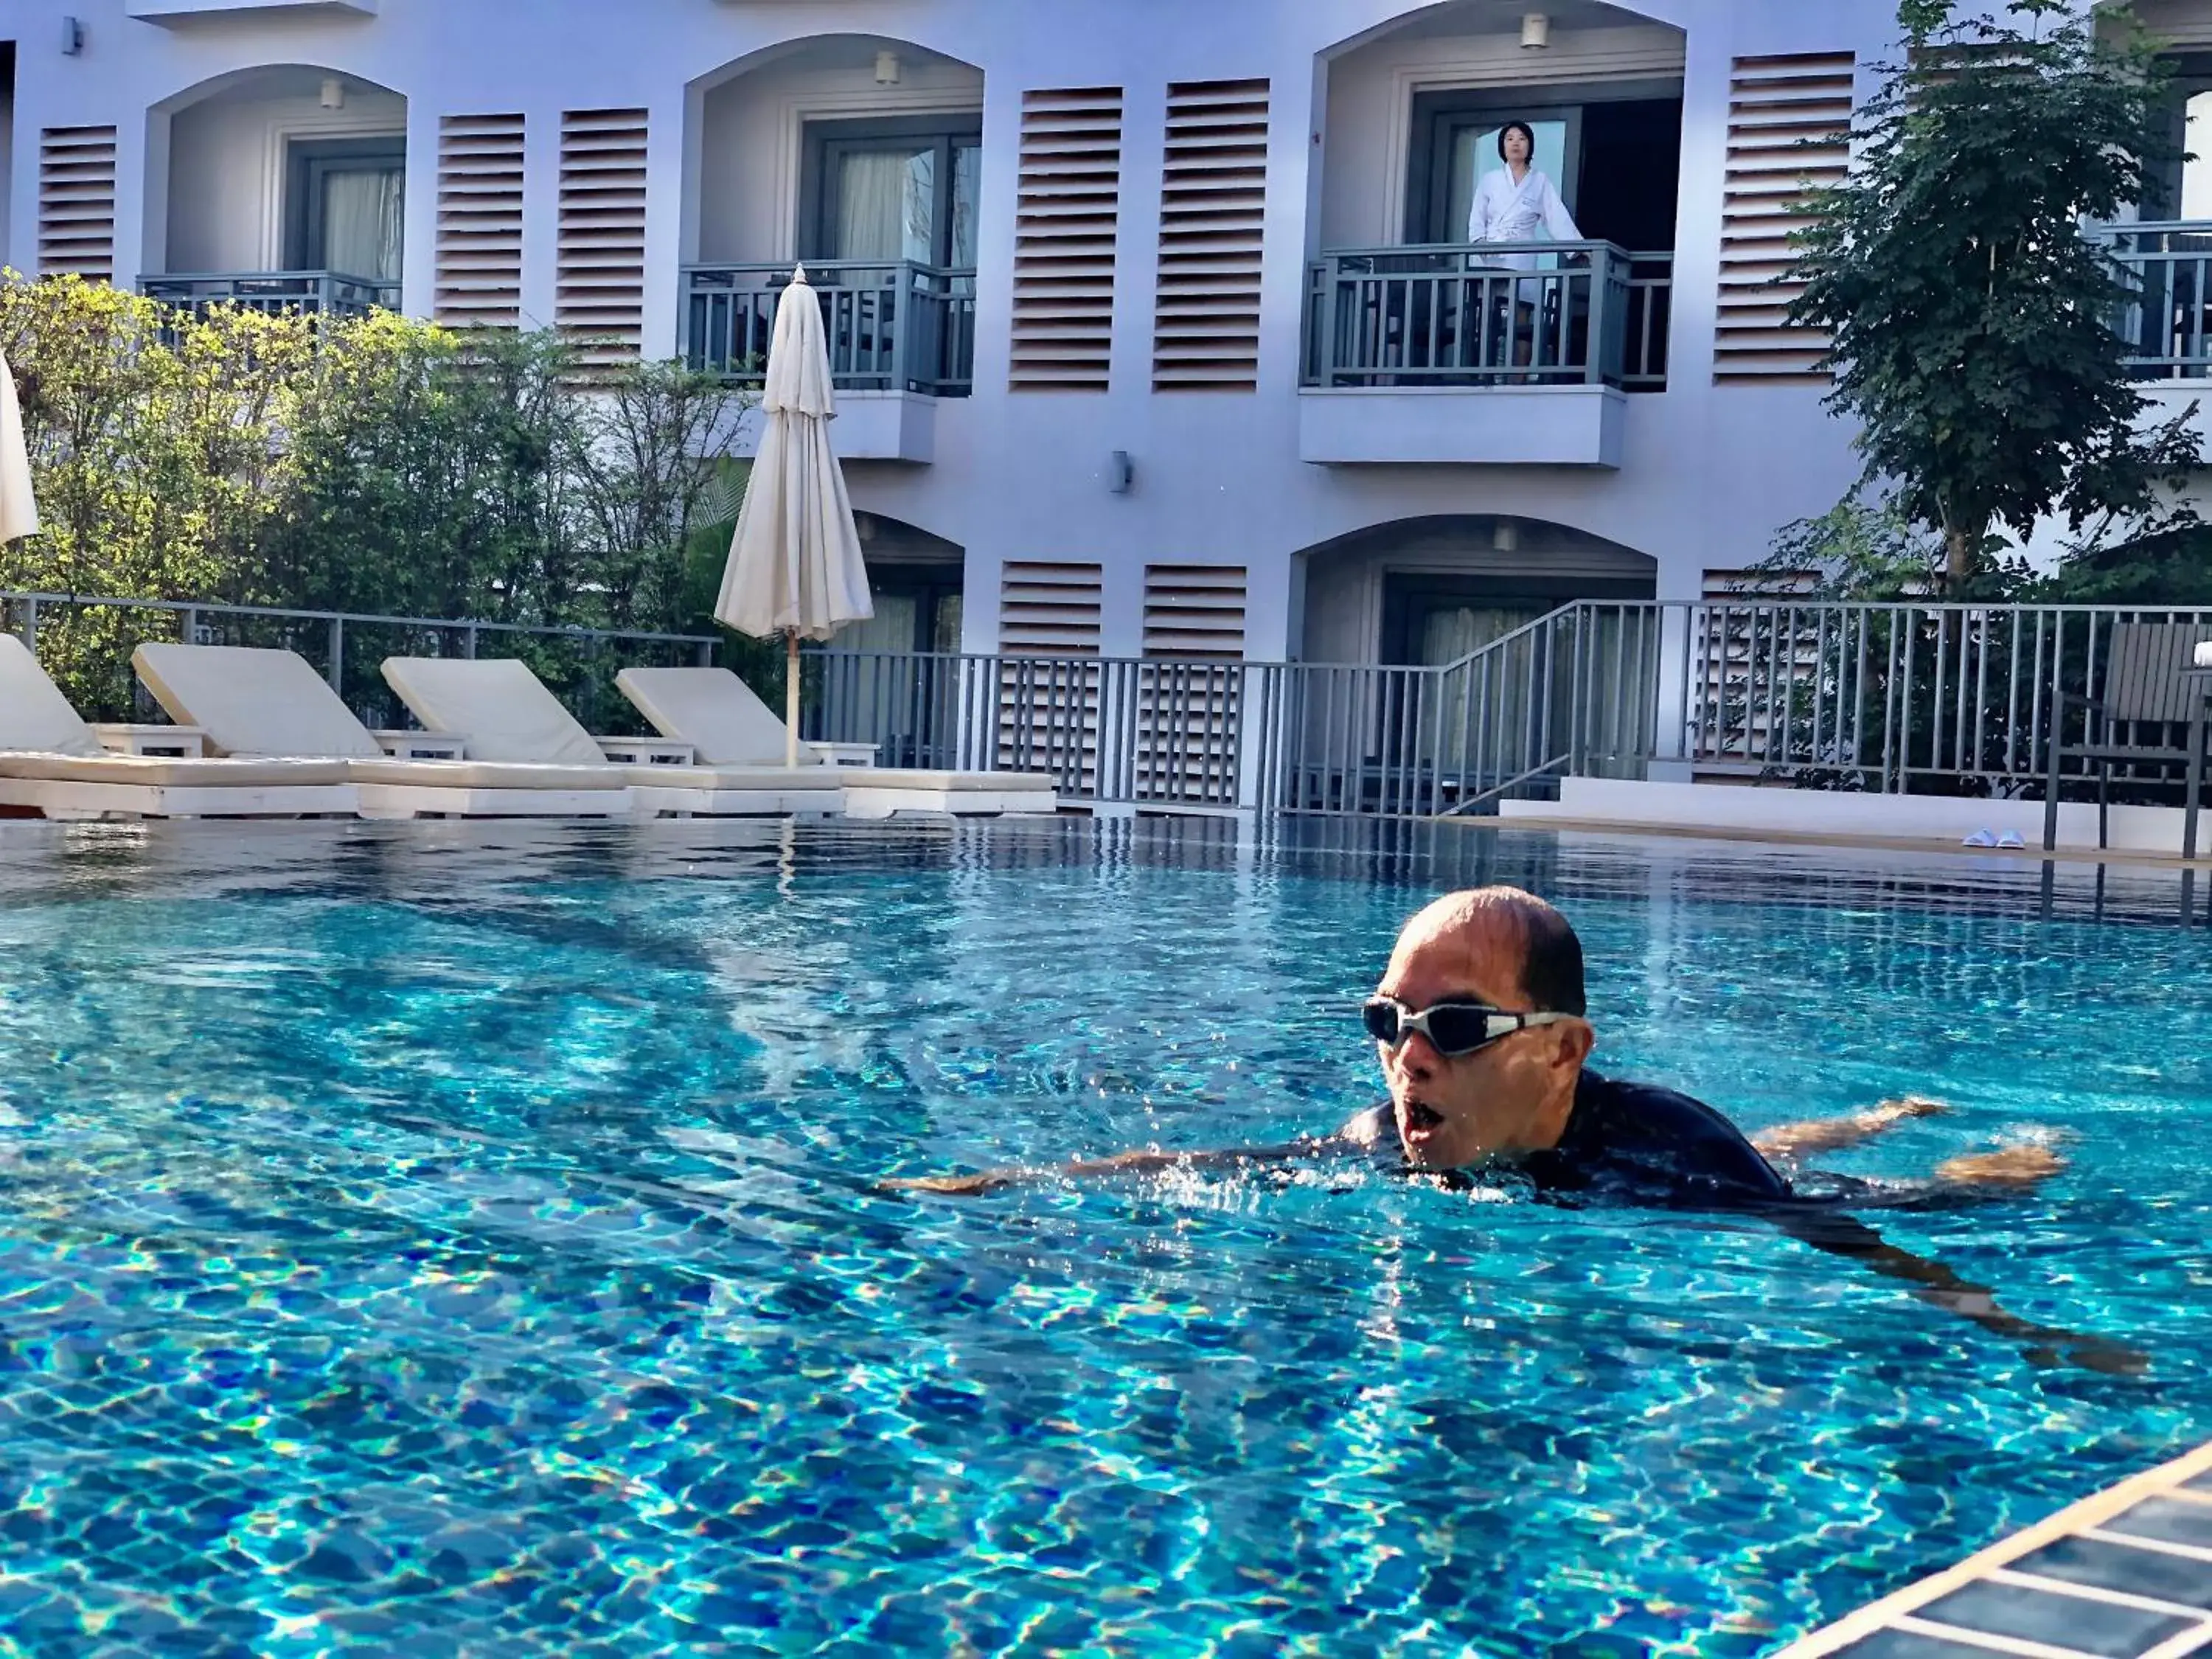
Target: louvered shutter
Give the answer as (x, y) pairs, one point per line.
(1048, 616)
(479, 265)
(600, 294)
(1188, 710)
(1214, 194)
(1789, 133)
(1066, 219)
(76, 201)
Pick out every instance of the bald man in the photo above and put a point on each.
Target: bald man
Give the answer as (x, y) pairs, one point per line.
(1481, 1026)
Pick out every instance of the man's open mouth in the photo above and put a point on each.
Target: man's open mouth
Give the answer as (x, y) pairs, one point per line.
(1421, 1118)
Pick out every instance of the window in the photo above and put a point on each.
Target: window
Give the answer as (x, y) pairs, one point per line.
(918, 608)
(1615, 155)
(345, 206)
(892, 189)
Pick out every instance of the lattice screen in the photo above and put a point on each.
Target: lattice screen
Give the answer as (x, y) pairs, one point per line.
(479, 265)
(1048, 711)
(1189, 709)
(76, 201)
(1214, 198)
(1788, 132)
(1067, 219)
(600, 294)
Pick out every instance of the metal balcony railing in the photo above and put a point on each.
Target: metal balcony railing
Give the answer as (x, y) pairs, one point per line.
(2167, 322)
(319, 293)
(891, 327)
(1459, 315)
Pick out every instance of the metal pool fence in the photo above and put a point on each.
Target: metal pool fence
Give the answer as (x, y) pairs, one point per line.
(1902, 698)
(86, 645)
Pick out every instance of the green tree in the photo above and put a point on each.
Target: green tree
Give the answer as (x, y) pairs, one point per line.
(1970, 317)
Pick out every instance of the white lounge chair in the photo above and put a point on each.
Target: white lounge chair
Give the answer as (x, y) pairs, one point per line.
(718, 713)
(255, 701)
(508, 714)
(55, 766)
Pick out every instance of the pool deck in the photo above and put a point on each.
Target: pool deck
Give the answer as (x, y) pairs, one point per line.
(2126, 1574)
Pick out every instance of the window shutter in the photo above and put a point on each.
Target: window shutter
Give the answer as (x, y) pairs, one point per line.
(1188, 708)
(600, 294)
(1194, 611)
(1789, 133)
(1214, 194)
(479, 266)
(1066, 221)
(1048, 710)
(77, 203)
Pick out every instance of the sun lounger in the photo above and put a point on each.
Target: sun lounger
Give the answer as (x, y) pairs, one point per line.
(54, 765)
(509, 715)
(260, 703)
(716, 712)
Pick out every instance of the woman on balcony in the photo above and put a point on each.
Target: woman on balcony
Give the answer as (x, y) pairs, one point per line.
(1517, 202)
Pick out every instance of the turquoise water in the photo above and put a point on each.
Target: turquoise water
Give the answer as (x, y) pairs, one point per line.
(446, 1241)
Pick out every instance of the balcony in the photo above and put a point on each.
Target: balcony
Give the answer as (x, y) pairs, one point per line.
(901, 336)
(1447, 354)
(172, 13)
(318, 293)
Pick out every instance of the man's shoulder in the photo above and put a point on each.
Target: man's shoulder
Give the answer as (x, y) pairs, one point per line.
(1643, 1124)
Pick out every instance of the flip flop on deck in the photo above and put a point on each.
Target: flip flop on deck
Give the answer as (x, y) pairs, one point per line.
(55, 766)
(255, 701)
(716, 712)
(508, 713)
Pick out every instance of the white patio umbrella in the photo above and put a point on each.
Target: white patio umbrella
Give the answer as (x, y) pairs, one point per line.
(19, 513)
(795, 566)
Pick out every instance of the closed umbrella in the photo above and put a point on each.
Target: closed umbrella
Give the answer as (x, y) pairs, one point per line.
(19, 513)
(795, 566)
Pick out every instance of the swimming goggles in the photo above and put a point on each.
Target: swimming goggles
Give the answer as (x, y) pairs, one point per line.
(1453, 1029)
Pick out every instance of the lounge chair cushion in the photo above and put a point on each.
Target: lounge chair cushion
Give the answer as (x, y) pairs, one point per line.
(33, 714)
(501, 707)
(485, 774)
(254, 701)
(736, 777)
(969, 783)
(167, 772)
(713, 711)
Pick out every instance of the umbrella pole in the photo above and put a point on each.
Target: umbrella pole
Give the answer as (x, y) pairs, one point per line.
(791, 699)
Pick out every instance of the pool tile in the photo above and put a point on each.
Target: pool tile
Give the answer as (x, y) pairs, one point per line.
(2176, 1520)
(2104, 1628)
(1909, 1645)
(2121, 1567)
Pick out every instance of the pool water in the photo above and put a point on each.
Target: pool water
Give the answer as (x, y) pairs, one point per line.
(436, 1240)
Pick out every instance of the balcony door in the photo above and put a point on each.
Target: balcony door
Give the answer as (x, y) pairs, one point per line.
(893, 189)
(345, 206)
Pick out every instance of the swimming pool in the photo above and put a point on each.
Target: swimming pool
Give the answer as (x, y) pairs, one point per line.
(443, 1240)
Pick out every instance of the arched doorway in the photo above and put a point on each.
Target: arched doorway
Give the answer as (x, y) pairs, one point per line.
(861, 155)
(1420, 591)
(285, 185)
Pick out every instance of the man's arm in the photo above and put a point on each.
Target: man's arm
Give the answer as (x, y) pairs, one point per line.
(1847, 1236)
(1792, 1141)
(1362, 1134)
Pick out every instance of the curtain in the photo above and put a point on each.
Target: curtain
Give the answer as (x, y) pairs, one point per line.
(363, 223)
(887, 205)
(967, 191)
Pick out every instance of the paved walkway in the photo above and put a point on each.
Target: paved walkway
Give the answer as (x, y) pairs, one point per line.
(2124, 1574)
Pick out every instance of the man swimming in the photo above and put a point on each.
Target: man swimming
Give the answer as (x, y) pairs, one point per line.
(1481, 1026)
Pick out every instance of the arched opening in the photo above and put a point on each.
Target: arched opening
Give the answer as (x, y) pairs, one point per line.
(280, 187)
(918, 585)
(1428, 591)
(861, 155)
(1412, 160)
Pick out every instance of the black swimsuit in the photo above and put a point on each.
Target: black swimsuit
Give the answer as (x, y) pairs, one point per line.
(1632, 1143)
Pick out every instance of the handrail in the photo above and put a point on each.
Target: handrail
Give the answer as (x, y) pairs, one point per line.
(892, 325)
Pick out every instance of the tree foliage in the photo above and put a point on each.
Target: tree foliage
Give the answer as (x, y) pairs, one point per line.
(373, 466)
(1970, 317)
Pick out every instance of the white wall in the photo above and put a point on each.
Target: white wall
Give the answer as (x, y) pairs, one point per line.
(751, 139)
(226, 190)
(1707, 474)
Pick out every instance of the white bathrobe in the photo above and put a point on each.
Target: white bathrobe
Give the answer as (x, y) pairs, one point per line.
(19, 514)
(1529, 211)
